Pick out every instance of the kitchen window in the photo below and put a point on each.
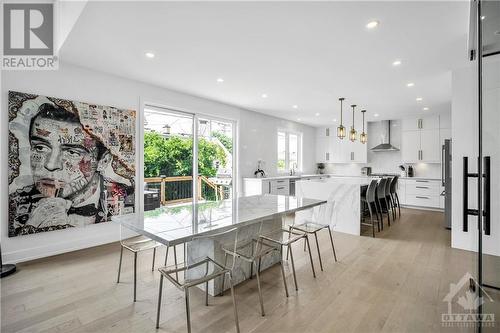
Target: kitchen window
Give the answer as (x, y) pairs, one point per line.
(289, 151)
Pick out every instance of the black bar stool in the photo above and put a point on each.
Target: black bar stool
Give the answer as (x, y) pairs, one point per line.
(382, 201)
(370, 198)
(388, 197)
(394, 194)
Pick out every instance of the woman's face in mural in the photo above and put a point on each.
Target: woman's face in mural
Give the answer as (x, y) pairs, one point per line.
(63, 157)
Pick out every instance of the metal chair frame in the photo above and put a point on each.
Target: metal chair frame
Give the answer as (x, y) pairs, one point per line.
(171, 274)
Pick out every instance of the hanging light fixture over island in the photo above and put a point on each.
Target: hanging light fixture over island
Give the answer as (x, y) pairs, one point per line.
(341, 128)
(363, 138)
(352, 132)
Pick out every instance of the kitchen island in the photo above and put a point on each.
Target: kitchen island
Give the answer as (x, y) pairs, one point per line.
(345, 191)
(174, 225)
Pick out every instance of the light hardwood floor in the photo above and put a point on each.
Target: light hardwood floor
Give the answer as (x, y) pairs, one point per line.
(393, 283)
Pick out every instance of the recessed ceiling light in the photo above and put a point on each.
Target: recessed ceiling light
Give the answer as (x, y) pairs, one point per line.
(149, 55)
(299, 119)
(334, 120)
(295, 106)
(316, 114)
(263, 95)
(372, 24)
(426, 109)
(410, 84)
(396, 63)
(220, 80)
(483, 17)
(418, 99)
(376, 115)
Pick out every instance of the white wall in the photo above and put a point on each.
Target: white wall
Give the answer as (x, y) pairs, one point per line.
(256, 132)
(258, 141)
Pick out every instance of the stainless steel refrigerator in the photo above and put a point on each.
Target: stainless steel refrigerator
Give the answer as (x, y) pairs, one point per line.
(446, 181)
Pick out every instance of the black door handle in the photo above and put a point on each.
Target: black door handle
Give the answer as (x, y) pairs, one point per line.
(487, 197)
(465, 194)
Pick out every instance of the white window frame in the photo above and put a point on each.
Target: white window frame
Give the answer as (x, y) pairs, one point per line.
(147, 103)
(287, 149)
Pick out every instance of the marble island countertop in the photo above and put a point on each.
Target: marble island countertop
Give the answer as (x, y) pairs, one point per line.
(177, 224)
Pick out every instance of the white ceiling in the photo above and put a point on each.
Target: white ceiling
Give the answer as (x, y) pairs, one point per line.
(298, 53)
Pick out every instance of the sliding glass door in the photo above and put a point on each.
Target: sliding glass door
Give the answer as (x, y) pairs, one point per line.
(489, 156)
(485, 51)
(215, 159)
(168, 158)
(187, 158)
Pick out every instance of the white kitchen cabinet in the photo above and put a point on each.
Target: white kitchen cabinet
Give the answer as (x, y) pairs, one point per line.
(410, 146)
(280, 186)
(401, 191)
(421, 146)
(323, 153)
(331, 149)
(430, 147)
(429, 122)
(422, 193)
(256, 186)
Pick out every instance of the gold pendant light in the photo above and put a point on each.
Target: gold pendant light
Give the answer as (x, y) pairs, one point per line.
(363, 138)
(341, 128)
(352, 132)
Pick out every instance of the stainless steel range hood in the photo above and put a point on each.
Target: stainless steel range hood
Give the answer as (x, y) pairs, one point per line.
(385, 138)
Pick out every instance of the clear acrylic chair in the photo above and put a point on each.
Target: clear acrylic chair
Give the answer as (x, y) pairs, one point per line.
(322, 219)
(286, 236)
(252, 251)
(193, 272)
(135, 245)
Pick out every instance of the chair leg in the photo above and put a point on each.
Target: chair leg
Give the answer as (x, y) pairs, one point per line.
(331, 240)
(260, 290)
(283, 274)
(319, 252)
(388, 212)
(310, 255)
(120, 264)
(153, 265)
(293, 267)
(175, 262)
(166, 256)
(224, 276)
(399, 206)
(371, 218)
(135, 276)
(393, 208)
(206, 293)
(188, 312)
(159, 302)
(236, 321)
(288, 247)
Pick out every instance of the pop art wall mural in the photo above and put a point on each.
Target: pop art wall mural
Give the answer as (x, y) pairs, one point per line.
(71, 164)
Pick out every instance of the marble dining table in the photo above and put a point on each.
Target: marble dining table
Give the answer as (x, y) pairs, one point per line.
(184, 224)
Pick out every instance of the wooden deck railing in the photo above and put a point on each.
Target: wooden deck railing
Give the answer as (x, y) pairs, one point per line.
(180, 189)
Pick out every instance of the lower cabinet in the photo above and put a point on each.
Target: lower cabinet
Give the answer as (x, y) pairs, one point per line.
(421, 193)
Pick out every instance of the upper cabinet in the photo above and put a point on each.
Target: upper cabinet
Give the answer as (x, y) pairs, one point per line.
(427, 123)
(421, 140)
(330, 149)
